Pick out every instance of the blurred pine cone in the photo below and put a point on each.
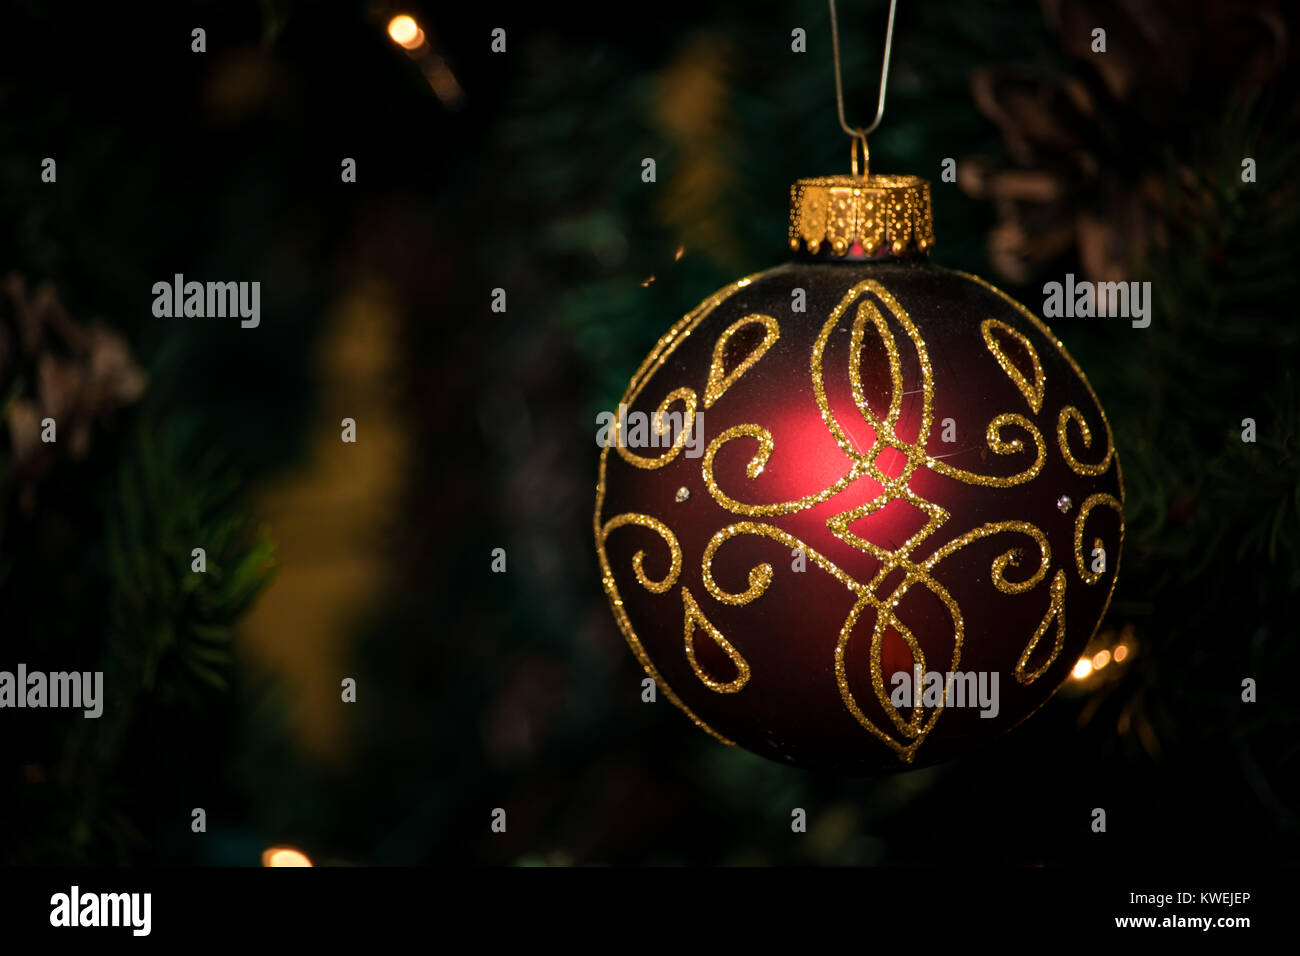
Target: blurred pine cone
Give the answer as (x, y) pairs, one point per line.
(1087, 147)
(51, 367)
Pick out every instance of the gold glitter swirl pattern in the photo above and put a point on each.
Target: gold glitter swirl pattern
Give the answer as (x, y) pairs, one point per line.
(1033, 392)
(1081, 562)
(1041, 326)
(719, 381)
(760, 576)
(1055, 611)
(670, 539)
(652, 363)
(914, 729)
(1000, 446)
(839, 525)
(695, 619)
(755, 468)
(1079, 468)
(885, 437)
(857, 336)
(1008, 558)
(659, 424)
(914, 726)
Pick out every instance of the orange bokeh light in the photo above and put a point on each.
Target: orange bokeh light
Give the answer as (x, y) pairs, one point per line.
(284, 856)
(405, 32)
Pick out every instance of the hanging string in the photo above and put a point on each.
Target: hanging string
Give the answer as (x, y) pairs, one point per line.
(858, 134)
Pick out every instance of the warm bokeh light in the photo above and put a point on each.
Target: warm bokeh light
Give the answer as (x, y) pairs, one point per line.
(284, 856)
(1100, 660)
(405, 32)
(443, 81)
(1121, 652)
(1082, 669)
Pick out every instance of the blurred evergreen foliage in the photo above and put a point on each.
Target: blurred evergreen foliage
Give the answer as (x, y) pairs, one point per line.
(107, 585)
(97, 575)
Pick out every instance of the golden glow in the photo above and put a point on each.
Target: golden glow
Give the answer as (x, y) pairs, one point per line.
(443, 81)
(1082, 669)
(405, 32)
(284, 856)
(1121, 652)
(1100, 660)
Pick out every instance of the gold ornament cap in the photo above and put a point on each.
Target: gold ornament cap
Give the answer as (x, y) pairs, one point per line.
(861, 217)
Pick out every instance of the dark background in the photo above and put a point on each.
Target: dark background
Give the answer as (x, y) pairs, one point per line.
(475, 429)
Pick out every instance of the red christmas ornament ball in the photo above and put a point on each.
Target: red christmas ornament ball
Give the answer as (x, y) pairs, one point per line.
(878, 516)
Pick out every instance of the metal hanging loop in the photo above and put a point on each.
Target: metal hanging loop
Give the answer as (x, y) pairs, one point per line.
(859, 139)
(857, 133)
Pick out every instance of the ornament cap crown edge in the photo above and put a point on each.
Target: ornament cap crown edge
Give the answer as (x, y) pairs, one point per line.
(868, 217)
